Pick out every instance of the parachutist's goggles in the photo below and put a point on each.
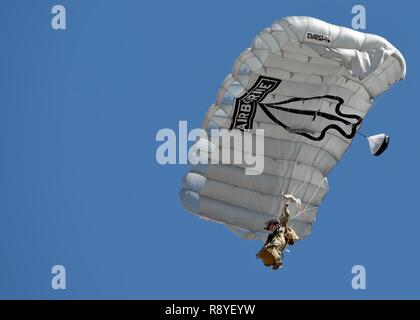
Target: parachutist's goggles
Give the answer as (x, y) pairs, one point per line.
(271, 222)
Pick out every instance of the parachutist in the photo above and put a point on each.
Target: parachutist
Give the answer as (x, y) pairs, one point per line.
(307, 85)
(280, 237)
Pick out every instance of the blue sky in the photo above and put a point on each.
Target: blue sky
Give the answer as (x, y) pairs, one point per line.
(80, 186)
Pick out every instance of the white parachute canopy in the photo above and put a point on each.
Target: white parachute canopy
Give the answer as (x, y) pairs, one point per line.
(378, 143)
(308, 85)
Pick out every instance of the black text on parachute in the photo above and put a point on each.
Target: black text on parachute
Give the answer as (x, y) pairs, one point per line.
(309, 85)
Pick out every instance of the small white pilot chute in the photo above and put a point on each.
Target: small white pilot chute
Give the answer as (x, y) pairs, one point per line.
(378, 143)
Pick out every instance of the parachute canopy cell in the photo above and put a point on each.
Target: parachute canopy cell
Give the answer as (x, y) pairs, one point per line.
(309, 85)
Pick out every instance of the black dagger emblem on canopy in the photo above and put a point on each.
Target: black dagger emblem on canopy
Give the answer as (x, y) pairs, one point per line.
(246, 107)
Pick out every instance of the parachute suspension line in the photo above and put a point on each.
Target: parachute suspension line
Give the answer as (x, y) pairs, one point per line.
(279, 211)
(302, 184)
(298, 189)
(307, 205)
(301, 212)
(375, 101)
(316, 192)
(295, 192)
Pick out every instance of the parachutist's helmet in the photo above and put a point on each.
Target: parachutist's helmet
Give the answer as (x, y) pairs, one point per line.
(271, 222)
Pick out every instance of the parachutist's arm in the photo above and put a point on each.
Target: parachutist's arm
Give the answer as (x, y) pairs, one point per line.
(286, 210)
(286, 215)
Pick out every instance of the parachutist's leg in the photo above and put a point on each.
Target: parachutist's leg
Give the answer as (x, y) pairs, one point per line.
(279, 261)
(268, 255)
(277, 266)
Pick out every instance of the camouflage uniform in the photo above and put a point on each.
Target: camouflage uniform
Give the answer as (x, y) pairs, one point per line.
(272, 251)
